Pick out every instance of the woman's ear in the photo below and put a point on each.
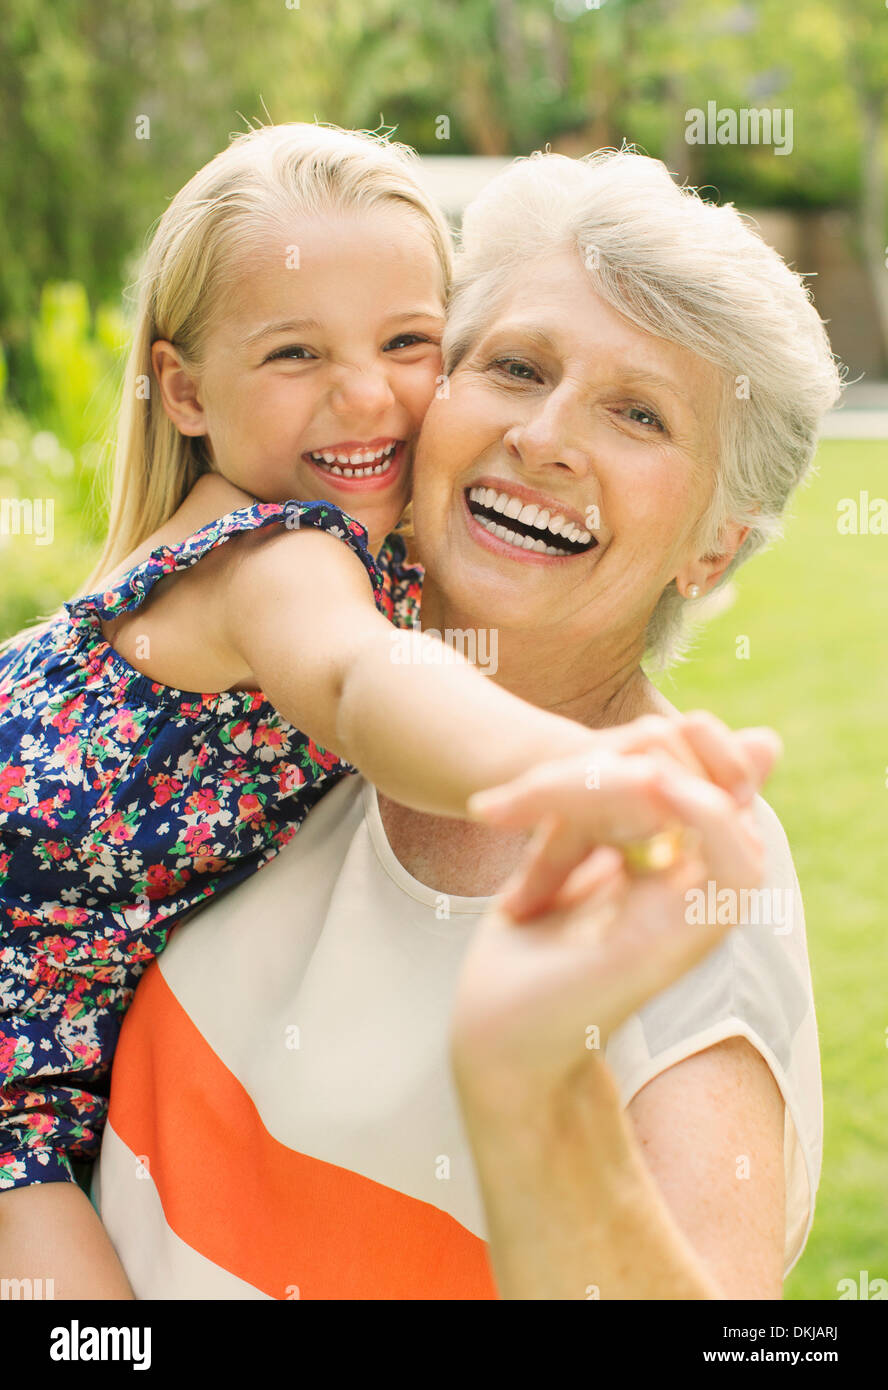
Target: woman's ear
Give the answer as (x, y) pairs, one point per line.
(706, 571)
(178, 389)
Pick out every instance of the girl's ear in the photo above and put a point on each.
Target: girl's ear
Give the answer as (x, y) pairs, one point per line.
(178, 389)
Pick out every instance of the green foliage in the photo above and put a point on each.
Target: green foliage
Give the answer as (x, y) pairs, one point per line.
(80, 185)
(79, 188)
(78, 363)
(35, 466)
(60, 455)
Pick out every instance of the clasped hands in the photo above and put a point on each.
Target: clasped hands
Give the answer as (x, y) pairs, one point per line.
(579, 938)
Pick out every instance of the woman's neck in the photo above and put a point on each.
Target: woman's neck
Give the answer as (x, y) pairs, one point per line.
(598, 682)
(599, 686)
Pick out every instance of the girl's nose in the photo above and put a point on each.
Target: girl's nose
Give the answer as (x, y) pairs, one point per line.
(365, 391)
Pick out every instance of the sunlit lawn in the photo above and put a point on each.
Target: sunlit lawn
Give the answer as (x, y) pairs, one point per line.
(815, 610)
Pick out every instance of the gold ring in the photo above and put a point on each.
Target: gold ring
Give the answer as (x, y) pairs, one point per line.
(657, 852)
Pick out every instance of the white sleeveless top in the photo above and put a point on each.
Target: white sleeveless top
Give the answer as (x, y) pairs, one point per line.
(283, 1122)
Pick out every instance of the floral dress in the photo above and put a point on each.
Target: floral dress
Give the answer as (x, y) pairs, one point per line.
(124, 804)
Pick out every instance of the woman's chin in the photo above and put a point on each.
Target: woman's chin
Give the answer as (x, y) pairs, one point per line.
(478, 593)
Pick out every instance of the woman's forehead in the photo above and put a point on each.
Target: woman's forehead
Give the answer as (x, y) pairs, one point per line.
(555, 304)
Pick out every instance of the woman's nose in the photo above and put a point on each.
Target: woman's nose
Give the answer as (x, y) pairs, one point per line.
(551, 434)
(362, 391)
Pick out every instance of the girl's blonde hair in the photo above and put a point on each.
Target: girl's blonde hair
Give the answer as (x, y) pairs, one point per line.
(267, 175)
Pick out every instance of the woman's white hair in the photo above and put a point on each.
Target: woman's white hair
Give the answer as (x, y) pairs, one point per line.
(685, 270)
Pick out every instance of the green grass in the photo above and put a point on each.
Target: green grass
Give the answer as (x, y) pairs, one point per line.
(815, 610)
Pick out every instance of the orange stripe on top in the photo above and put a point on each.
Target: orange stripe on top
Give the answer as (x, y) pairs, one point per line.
(276, 1218)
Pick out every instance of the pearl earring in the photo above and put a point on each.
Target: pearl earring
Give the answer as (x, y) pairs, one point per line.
(693, 591)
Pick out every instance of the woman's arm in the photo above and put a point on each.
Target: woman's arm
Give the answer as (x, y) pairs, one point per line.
(591, 1201)
(583, 1200)
(721, 1169)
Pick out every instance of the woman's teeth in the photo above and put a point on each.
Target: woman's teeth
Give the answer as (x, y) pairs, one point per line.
(363, 463)
(527, 526)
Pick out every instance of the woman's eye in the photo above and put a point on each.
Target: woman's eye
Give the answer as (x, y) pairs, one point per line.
(405, 340)
(515, 368)
(290, 353)
(648, 418)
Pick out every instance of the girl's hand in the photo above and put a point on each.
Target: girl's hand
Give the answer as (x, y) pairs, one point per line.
(616, 794)
(536, 1002)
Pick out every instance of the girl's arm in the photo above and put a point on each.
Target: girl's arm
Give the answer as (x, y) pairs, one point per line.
(51, 1231)
(298, 611)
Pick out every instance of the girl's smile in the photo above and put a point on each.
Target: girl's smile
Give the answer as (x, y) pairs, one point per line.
(320, 364)
(359, 466)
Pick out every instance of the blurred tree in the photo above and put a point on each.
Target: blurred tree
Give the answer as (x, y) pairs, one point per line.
(107, 110)
(866, 57)
(105, 114)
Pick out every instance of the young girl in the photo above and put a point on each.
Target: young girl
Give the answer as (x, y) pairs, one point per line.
(164, 734)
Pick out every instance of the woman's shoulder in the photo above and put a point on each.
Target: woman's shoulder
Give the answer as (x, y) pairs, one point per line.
(778, 852)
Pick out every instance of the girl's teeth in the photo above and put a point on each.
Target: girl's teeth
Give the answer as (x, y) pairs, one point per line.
(365, 464)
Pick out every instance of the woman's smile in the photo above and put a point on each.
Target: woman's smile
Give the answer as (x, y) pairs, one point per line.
(526, 525)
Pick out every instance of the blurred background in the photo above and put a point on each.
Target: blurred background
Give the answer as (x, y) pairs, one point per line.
(106, 111)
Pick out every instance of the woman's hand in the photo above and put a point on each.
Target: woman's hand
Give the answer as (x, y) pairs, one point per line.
(617, 793)
(536, 1002)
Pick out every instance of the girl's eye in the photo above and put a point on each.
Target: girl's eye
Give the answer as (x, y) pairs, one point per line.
(515, 368)
(649, 419)
(288, 352)
(405, 340)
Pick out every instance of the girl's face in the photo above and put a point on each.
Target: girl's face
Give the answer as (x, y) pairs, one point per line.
(320, 364)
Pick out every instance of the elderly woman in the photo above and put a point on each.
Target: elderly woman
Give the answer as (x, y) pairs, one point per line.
(398, 1089)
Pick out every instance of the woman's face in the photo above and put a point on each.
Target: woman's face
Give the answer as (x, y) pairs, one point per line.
(566, 407)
